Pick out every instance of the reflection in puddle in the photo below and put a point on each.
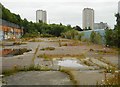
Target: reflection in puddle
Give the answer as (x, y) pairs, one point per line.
(70, 63)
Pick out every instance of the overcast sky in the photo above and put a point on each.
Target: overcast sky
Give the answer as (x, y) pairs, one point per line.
(64, 11)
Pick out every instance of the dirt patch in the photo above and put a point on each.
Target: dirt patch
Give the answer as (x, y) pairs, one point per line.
(14, 52)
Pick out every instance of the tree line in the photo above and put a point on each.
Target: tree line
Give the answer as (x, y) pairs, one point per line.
(33, 28)
(112, 36)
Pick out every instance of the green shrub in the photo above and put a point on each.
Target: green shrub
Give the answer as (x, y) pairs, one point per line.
(46, 35)
(79, 37)
(95, 37)
(70, 34)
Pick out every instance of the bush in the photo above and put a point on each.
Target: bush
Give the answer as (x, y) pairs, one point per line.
(79, 37)
(46, 35)
(112, 37)
(95, 37)
(70, 34)
(30, 35)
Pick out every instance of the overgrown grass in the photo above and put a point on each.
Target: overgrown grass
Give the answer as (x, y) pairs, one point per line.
(106, 52)
(59, 42)
(65, 44)
(45, 56)
(35, 40)
(86, 63)
(113, 80)
(34, 56)
(17, 69)
(19, 43)
(73, 43)
(110, 69)
(48, 48)
(68, 72)
(46, 35)
(107, 62)
(72, 77)
(50, 56)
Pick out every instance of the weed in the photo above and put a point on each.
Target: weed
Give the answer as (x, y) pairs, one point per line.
(30, 68)
(59, 43)
(86, 63)
(110, 69)
(91, 49)
(48, 48)
(72, 77)
(34, 40)
(34, 56)
(65, 44)
(114, 80)
(45, 56)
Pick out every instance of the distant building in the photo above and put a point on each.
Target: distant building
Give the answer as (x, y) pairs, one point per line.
(100, 25)
(41, 16)
(88, 18)
(119, 7)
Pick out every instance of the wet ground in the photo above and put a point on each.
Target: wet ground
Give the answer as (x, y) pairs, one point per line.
(86, 65)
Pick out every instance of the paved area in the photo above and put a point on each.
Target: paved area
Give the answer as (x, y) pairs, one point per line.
(88, 78)
(74, 48)
(38, 78)
(19, 61)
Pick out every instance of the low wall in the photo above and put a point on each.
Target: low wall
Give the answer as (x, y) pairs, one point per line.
(9, 30)
(88, 33)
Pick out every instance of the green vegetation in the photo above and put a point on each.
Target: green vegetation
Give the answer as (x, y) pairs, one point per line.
(17, 69)
(35, 40)
(110, 69)
(113, 80)
(71, 34)
(14, 52)
(20, 51)
(48, 48)
(79, 37)
(95, 37)
(107, 62)
(59, 42)
(32, 29)
(19, 43)
(112, 37)
(72, 77)
(34, 56)
(45, 56)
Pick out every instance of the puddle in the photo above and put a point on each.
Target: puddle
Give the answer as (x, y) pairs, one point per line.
(70, 63)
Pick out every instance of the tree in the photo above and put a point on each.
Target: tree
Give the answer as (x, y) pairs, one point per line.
(25, 24)
(30, 27)
(112, 37)
(71, 34)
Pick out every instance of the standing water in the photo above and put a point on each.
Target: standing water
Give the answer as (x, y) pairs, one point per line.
(70, 63)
